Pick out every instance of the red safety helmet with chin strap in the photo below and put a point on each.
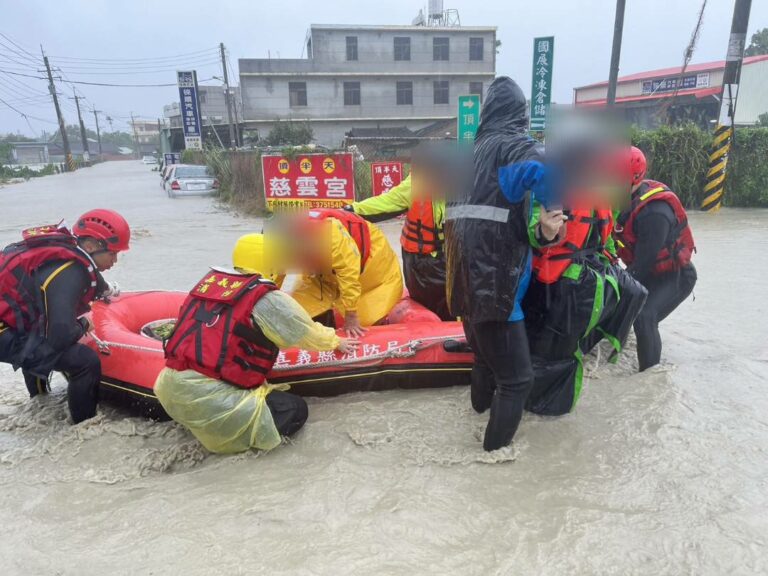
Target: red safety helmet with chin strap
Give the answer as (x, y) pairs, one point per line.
(106, 226)
(638, 165)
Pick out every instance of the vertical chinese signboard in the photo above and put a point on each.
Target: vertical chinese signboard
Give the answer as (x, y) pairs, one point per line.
(190, 110)
(385, 176)
(541, 90)
(468, 118)
(308, 180)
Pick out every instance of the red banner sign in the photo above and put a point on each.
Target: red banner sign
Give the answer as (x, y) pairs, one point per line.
(385, 176)
(308, 180)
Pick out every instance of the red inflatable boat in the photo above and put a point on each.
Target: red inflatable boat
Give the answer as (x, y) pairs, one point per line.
(414, 349)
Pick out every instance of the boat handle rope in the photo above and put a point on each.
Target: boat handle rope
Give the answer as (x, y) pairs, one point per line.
(405, 350)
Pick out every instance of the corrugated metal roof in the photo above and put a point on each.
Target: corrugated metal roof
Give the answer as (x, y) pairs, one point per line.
(666, 72)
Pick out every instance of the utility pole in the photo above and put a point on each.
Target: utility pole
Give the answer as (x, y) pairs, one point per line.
(618, 31)
(721, 146)
(135, 137)
(228, 98)
(159, 137)
(82, 126)
(98, 132)
(69, 164)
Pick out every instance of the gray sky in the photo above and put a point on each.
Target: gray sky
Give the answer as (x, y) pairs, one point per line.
(656, 33)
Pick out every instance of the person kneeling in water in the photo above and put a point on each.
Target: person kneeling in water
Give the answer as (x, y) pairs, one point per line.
(224, 344)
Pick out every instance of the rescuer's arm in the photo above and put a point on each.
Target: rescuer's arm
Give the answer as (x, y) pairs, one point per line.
(63, 286)
(652, 228)
(345, 262)
(386, 206)
(287, 324)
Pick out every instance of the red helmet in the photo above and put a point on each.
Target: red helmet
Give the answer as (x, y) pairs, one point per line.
(637, 165)
(105, 225)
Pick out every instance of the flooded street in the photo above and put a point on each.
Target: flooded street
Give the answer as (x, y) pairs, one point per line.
(660, 473)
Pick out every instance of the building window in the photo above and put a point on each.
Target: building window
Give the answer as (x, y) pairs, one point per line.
(402, 48)
(440, 91)
(405, 93)
(351, 47)
(475, 48)
(201, 96)
(351, 93)
(297, 93)
(476, 88)
(440, 48)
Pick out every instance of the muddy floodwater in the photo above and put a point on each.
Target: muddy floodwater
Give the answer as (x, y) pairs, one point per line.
(660, 473)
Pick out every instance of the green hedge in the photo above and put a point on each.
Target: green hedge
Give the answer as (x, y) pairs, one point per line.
(679, 157)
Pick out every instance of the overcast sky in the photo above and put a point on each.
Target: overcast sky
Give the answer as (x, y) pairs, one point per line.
(655, 35)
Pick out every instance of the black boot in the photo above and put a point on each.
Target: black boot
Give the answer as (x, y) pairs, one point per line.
(506, 412)
(482, 388)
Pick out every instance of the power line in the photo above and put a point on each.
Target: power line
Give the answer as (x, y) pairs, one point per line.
(126, 60)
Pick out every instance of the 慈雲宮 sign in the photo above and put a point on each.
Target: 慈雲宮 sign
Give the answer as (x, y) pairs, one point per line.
(190, 110)
(385, 176)
(308, 180)
(541, 90)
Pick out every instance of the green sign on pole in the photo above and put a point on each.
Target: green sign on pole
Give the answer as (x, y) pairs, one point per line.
(468, 118)
(541, 89)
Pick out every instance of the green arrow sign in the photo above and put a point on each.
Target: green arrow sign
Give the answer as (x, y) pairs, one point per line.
(468, 117)
(541, 87)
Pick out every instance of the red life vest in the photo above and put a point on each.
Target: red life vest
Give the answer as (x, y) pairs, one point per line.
(356, 225)
(420, 234)
(215, 334)
(22, 305)
(680, 245)
(550, 263)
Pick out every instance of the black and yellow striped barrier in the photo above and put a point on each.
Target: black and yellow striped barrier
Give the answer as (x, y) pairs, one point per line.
(71, 166)
(718, 162)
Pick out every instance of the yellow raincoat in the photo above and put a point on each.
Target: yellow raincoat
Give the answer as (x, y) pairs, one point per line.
(226, 418)
(372, 293)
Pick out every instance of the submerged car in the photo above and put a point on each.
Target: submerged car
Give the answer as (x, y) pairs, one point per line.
(149, 160)
(190, 180)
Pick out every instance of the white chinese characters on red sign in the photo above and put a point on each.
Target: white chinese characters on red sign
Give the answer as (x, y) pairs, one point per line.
(309, 180)
(385, 176)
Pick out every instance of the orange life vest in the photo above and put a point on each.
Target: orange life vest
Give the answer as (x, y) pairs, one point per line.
(549, 263)
(680, 245)
(420, 235)
(356, 225)
(215, 333)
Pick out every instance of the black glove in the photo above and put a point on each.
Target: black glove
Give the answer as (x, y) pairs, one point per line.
(348, 208)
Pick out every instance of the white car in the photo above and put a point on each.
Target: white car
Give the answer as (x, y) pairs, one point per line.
(149, 160)
(190, 180)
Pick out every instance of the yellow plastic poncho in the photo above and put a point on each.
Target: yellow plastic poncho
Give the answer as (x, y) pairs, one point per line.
(372, 293)
(228, 419)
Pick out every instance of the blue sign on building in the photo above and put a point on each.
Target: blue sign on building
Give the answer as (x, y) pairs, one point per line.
(190, 110)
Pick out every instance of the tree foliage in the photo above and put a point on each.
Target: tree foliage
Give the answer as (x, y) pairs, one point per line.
(759, 43)
(290, 134)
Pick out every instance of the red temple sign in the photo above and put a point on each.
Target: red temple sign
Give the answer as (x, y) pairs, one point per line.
(325, 180)
(385, 176)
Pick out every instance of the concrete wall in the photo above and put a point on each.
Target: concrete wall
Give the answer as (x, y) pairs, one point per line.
(265, 91)
(753, 93)
(267, 98)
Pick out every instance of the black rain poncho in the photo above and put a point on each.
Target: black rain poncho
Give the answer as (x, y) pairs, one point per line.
(488, 254)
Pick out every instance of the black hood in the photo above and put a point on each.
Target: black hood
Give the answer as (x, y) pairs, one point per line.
(504, 108)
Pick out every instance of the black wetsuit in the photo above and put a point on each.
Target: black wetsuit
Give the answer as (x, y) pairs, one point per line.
(58, 349)
(653, 227)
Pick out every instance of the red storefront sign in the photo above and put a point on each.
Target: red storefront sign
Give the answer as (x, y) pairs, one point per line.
(385, 176)
(308, 180)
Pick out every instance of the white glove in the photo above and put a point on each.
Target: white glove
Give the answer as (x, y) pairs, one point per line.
(113, 290)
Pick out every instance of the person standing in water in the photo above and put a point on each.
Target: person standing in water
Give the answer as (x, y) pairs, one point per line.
(489, 257)
(656, 243)
(47, 282)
